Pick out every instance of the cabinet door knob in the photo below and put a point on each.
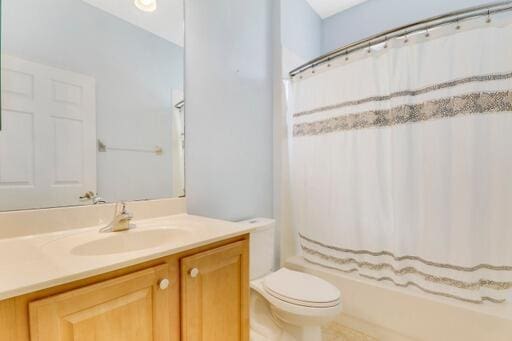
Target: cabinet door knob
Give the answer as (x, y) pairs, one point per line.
(194, 272)
(163, 284)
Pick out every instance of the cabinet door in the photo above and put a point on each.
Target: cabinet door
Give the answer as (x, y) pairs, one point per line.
(215, 293)
(128, 308)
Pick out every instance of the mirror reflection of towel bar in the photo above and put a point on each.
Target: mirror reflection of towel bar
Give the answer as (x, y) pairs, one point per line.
(102, 148)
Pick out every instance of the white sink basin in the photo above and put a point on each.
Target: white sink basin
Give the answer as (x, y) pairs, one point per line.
(119, 242)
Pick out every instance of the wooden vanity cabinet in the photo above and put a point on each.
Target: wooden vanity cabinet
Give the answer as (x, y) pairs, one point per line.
(197, 295)
(215, 294)
(129, 308)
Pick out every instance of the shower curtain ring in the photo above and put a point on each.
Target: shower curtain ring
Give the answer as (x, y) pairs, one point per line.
(369, 48)
(346, 55)
(427, 34)
(458, 25)
(386, 42)
(488, 16)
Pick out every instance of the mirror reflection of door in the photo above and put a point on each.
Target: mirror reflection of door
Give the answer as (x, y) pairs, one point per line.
(89, 92)
(47, 147)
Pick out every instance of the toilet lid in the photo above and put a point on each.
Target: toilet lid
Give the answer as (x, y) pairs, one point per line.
(301, 289)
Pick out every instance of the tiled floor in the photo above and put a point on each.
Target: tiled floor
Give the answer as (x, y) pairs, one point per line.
(337, 332)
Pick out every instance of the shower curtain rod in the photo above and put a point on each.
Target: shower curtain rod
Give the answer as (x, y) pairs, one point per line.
(422, 25)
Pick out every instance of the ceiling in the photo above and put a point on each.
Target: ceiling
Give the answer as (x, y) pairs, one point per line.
(326, 8)
(166, 22)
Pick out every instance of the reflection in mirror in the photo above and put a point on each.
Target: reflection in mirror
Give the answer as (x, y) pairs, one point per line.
(92, 102)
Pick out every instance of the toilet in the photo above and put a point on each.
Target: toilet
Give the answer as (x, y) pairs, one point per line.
(286, 305)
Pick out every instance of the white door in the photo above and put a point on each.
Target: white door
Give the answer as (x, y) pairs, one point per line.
(48, 136)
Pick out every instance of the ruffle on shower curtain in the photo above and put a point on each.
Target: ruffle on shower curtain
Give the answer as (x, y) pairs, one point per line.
(401, 162)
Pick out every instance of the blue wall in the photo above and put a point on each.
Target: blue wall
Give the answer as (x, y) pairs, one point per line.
(376, 16)
(301, 29)
(228, 94)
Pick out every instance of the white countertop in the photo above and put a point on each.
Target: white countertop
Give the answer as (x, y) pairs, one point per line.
(41, 261)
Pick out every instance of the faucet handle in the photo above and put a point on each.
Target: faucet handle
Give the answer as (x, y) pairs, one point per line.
(125, 212)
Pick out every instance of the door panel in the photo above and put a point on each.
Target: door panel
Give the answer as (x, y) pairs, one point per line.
(68, 151)
(20, 170)
(215, 291)
(128, 308)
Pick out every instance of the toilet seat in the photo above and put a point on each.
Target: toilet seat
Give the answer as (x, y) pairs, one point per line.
(299, 303)
(296, 288)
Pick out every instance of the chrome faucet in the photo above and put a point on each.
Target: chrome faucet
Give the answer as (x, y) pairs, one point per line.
(121, 220)
(98, 200)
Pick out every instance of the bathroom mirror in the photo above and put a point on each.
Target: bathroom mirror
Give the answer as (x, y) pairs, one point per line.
(92, 102)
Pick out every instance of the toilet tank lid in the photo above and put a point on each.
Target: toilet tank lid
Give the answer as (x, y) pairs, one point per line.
(260, 224)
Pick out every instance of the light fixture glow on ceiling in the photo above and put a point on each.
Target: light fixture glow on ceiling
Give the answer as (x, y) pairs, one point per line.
(146, 5)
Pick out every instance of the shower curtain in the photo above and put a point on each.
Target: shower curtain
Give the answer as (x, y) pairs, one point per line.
(401, 161)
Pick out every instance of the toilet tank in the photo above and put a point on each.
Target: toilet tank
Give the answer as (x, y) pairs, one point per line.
(262, 246)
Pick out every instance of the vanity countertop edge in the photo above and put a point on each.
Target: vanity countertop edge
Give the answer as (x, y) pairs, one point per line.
(38, 262)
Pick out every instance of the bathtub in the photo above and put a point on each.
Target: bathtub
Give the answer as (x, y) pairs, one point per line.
(381, 311)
